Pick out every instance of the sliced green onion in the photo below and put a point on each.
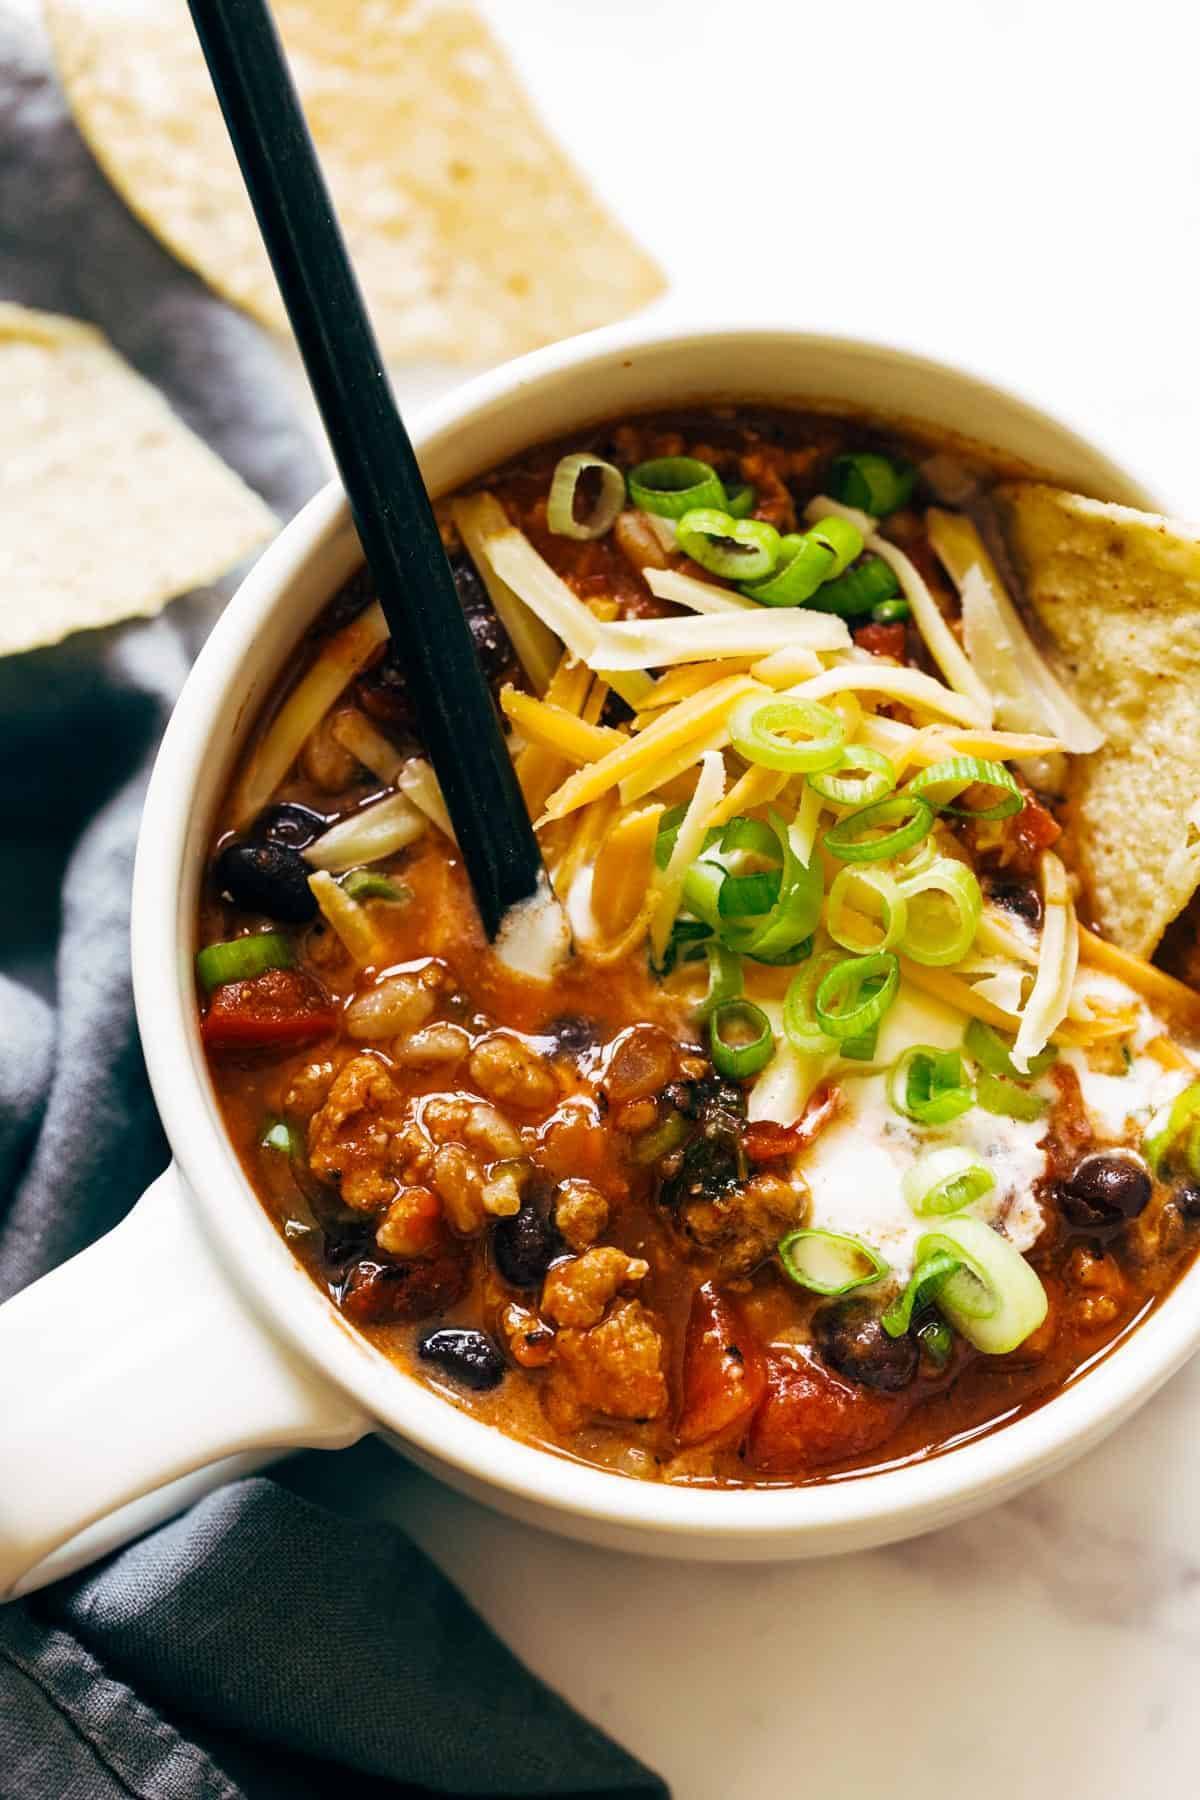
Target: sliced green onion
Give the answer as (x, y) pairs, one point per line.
(842, 539)
(891, 612)
(278, 1135)
(860, 1049)
(830, 1262)
(738, 549)
(856, 994)
(1173, 1134)
(1007, 1099)
(240, 959)
(739, 500)
(754, 1046)
(844, 920)
(669, 1134)
(744, 896)
(366, 884)
(859, 590)
(668, 831)
(924, 1284)
(937, 1341)
(859, 778)
(804, 564)
(686, 937)
(743, 833)
(784, 934)
(872, 483)
(724, 979)
(800, 1024)
(853, 839)
(945, 1181)
(928, 1085)
(564, 489)
(986, 1047)
(766, 732)
(942, 782)
(944, 908)
(673, 485)
(993, 1298)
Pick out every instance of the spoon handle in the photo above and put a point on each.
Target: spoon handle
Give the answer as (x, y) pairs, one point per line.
(371, 447)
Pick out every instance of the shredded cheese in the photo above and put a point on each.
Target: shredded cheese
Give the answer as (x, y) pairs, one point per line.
(653, 643)
(689, 842)
(1162, 991)
(349, 920)
(355, 733)
(553, 728)
(511, 556)
(340, 660)
(418, 781)
(650, 748)
(697, 596)
(1058, 955)
(910, 686)
(367, 836)
(479, 518)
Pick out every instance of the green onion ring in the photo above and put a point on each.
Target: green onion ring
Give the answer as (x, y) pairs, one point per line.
(1173, 1134)
(936, 1340)
(930, 937)
(804, 564)
(560, 507)
(848, 839)
(891, 612)
(871, 483)
(757, 731)
(800, 1025)
(739, 500)
(876, 779)
(923, 1287)
(743, 833)
(739, 1061)
(860, 1049)
(660, 1140)
(842, 1010)
(986, 1047)
(994, 1299)
(1007, 1099)
(943, 781)
(242, 958)
(928, 1085)
(889, 929)
(831, 1263)
(783, 935)
(737, 549)
(724, 979)
(670, 486)
(749, 896)
(945, 1181)
(859, 590)
(278, 1135)
(843, 540)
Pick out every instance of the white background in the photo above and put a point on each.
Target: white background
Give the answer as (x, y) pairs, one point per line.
(1015, 186)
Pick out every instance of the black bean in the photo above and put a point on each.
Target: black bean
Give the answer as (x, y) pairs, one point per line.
(573, 1034)
(525, 1245)
(266, 878)
(289, 824)
(469, 1356)
(1187, 1199)
(493, 646)
(1016, 895)
(1104, 1189)
(852, 1340)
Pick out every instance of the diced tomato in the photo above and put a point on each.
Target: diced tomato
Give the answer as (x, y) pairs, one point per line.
(882, 640)
(810, 1417)
(724, 1376)
(277, 1010)
(1034, 828)
(767, 1141)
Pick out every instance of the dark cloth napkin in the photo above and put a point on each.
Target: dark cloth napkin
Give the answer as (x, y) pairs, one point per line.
(259, 1645)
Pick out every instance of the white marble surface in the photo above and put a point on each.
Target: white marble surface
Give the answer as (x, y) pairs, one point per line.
(1014, 184)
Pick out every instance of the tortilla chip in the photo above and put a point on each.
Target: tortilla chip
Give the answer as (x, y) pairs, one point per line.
(473, 236)
(1118, 594)
(111, 506)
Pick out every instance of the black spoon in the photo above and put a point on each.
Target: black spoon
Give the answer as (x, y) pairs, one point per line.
(371, 447)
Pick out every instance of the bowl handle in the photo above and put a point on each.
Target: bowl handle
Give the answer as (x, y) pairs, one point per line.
(134, 1379)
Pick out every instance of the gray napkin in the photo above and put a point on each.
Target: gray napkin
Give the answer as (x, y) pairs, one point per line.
(259, 1645)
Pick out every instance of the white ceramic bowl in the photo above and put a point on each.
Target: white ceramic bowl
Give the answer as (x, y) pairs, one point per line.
(189, 1342)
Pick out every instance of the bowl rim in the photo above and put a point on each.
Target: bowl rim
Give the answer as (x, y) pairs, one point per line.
(831, 1513)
